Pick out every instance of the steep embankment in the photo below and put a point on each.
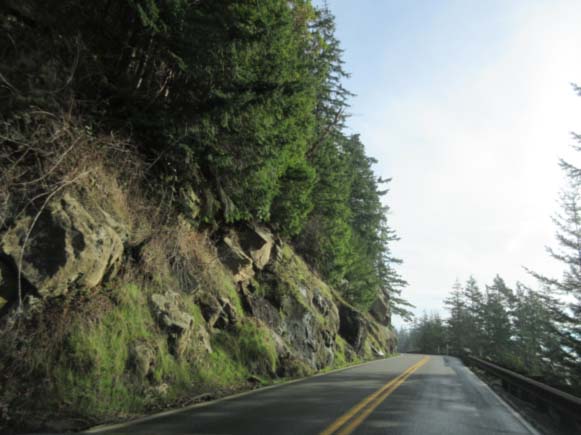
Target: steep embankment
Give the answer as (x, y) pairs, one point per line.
(119, 317)
(162, 164)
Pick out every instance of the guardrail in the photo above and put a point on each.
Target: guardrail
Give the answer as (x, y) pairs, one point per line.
(567, 406)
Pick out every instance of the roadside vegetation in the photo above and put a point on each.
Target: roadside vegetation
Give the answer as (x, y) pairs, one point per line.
(241, 105)
(176, 122)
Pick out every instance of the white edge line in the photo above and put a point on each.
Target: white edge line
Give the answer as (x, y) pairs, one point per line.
(107, 427)
(511, 409)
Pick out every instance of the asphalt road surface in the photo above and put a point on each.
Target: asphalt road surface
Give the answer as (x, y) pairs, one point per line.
(409, 394)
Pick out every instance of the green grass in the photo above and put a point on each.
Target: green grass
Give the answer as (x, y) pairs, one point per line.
(257, 348)
(251, 346)
(93, 378)
(91, 375)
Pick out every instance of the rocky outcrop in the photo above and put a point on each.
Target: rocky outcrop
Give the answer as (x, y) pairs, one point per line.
(235, 259)
(218, 311)
(380, 309)
(246, 250)
(352, 326)
(65, 247)
(177, 324)
(383, 339)
(262, 309)
(298, 306)
(308, 336)
(256, 309)
(257, 241)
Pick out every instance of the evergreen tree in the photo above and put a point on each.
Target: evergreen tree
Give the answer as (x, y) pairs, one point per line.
(474, 316)
(535, 335)
(240, 103)
(496, 320)
(324, 240)
(427, 334)
(568, 318)
(457, 320)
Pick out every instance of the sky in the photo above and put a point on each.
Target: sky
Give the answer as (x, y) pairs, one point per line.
(468, 106)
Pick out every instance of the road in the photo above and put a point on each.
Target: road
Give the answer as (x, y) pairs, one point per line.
(409, 394)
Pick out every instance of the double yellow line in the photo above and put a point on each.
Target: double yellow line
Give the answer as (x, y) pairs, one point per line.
(351, 420)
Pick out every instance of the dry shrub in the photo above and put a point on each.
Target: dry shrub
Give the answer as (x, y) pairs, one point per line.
(180, 255)
(42, 154)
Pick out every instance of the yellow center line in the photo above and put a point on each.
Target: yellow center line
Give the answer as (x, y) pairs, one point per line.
(373, 400)
(361, 417)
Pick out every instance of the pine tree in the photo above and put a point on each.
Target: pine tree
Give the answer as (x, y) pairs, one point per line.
(568, 318)
(496, 320)
(536, 338)
(458, 319)
(474, 316)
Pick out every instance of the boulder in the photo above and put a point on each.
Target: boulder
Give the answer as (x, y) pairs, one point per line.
(218, 312)
(257, 241)
(210, 308)
(235, 259)
(69, 247)
(380, 309)
(177, 324)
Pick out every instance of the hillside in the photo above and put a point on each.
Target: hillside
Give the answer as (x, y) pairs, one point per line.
(181, 211)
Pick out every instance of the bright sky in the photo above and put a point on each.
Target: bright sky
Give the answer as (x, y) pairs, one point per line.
(467, 104)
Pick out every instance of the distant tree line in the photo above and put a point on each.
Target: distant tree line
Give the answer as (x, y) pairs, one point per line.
(239, 102)
(534, 331)
(513, 327)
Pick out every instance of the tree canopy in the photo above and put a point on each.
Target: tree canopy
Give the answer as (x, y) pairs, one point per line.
(242, 103)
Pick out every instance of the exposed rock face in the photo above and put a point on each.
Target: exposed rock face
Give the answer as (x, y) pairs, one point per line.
(218, 311)
(352, 327)
(177, 324)
(308, 338)
(245, 250)
(257, 241)
(380, 309)
(68, 247)
(235, 259)
(264, 310)
(299, 308)
(383, 337)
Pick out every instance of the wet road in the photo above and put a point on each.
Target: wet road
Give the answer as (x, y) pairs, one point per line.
(409, 394)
